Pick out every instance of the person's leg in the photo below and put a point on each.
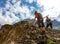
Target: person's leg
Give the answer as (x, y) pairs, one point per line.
(43, 25)
(47, 25)
(51, 26)
(38, 22)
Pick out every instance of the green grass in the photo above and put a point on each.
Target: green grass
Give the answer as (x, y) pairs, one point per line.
(50, 42)
(57, 27)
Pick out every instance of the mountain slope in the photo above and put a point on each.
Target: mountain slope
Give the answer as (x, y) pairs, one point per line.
(23, 32)
(20, 33)
(56, 23)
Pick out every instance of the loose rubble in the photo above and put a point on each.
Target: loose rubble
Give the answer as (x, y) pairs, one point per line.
(22, 32)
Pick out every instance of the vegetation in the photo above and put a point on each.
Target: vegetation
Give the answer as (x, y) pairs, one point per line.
(50, 42)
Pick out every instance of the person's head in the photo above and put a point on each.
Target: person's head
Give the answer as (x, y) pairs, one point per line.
(35, 12)
(46, 16)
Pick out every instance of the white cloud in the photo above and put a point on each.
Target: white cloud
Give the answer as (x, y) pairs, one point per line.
(32, 8)
(51, 7)
(13, 9)
(14, 1)
(31, 1)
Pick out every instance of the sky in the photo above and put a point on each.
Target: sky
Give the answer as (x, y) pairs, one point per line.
(12, 11)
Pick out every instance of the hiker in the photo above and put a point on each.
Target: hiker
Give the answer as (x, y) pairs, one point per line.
(48, 22)
(39, 18)
(40, 23)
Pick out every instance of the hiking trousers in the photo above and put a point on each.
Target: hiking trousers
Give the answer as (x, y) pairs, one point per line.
(40, 23)
(49, 25)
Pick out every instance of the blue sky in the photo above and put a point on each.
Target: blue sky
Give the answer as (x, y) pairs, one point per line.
(15, 10)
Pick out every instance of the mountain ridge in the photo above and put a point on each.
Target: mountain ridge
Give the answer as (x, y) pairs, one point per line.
(24, 32)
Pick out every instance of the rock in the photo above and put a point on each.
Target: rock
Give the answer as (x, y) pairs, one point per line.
(12, 42)
(33, 42)
(23, 33)
(27, 36)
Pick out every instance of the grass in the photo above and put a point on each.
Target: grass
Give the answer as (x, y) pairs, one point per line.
(57, 27)
(50, 42)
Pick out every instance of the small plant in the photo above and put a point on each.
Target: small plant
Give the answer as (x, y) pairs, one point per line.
(50, 42)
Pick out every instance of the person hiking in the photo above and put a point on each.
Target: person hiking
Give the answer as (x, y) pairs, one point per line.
(48, 22)
(39, 18)
(40, 23)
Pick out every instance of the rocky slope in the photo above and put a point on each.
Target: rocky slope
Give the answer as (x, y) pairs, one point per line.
(23, 32)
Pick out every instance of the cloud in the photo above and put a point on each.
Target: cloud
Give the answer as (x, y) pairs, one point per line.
(16, 11)
(51, 7)
(30, 1)
(6, 19)
(12, 10)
